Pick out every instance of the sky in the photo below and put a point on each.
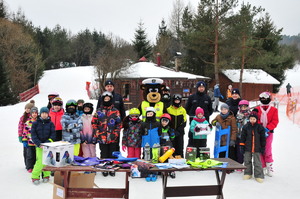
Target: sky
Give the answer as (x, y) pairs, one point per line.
(121, 17)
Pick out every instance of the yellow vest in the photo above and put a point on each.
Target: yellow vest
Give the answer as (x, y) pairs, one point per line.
(159, 107)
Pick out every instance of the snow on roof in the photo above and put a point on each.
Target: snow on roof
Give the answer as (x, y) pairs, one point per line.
(148, 70)
(256, 76)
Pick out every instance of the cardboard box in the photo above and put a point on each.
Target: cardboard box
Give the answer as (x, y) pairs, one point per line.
(58, 154)
(77, 180)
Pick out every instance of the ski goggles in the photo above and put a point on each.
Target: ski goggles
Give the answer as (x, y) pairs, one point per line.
(71, 104)
(177, 96)
(265, 95)
(165, 120)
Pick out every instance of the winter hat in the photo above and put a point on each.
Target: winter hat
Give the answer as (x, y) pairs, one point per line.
(200, 83)
(89, 105)
(109, 82)
(52, 95)
(30, 104)
(167, 88)
(199, 110)
(44, 110)
(34, 110)
(80, 101)
(265, 98)
(224, 106)
(254, 114)
(235, 91)
(243, 102)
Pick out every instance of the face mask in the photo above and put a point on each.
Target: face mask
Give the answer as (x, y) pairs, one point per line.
(71, 110)
(80, 108)
(109, 103)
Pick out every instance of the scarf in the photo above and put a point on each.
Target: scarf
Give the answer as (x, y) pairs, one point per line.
(199, 119)
(264, 115)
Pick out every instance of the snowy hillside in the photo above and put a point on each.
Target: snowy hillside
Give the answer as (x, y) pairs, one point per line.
(70, 83)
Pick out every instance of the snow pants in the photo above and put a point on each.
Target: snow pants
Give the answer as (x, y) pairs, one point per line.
(76, 149)
(267, 156)
(199, 143)
(30, 157)
(178, 144)
(258, 170)
(216, 104)
(88, 150)
(107, 149)
(38, 167)
(134, 152)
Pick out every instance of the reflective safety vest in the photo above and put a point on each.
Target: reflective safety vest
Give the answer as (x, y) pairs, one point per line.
(159, 107)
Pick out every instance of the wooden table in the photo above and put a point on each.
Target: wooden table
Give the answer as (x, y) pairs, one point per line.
(90, 192)
(204, 190)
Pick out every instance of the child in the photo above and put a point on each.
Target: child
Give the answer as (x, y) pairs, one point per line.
(23, 119)
(42, 131)
(107, 126)
(87, 136)
(226, 119)
(242, 118)
(165, 132)
(269, 119)
(27, 140)
(80, 103)
(132, 138)
(149, 131)
(71, 126)
(51, 96)
(200, 128)
(178, 115)
(253, 142)
(56, 113)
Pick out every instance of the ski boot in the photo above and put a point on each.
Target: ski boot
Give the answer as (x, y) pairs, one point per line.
(46, 179)
(172, 174)
(36, 181)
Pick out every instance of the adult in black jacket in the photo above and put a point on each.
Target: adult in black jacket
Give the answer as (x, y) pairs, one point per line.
(234, 101)
(198, 99)
(117, 99)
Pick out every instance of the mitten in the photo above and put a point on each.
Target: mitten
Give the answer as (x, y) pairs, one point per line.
(25, 144)
(231, 143)
(197, 129)
(124, 148)
(222, 97)
(20, 139)
(218, 125)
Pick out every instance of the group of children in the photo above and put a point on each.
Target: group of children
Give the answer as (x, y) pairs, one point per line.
(77, 125)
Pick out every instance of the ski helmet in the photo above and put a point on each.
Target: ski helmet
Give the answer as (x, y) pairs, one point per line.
(52, 95)
(265, 98)
(57, 101)
(243, 102)
(166, 115)
(134, 111)
(150, 108)
(89, 105)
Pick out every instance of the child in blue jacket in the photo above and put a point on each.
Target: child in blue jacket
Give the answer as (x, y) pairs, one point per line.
(42, 131)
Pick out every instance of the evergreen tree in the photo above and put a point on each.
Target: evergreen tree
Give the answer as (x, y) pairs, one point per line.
(3, 10)
(141, 43)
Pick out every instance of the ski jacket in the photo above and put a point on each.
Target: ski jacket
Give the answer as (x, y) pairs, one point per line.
(56, 118)
(71, 127)
(22, 124)
(272, 116)
(225, 123)
(192, 127)
(132, 136)
(178, 115)
(199, 100)
(233, 105)
(118, 103)
(217, 92)
(87, 133)
(42, 131)
(253, 137)
(107, 125)
(166, 135)
(26, 136)
(241, 120)
(148, 125)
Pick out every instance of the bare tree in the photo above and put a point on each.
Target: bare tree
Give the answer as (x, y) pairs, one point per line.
(176, 17)
(114, 57)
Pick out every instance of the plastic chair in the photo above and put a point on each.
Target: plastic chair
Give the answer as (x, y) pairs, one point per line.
(218, 148)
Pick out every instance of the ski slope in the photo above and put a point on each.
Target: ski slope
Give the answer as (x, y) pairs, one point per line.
(70, 84)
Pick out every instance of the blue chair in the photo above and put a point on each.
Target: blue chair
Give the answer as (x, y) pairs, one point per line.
(218, 148)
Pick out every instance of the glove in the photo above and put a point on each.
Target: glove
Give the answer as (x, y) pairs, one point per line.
(267, 132)
(20, 139)
(210, 126)
(231, 143)
(218, 125)
(124, 148)
(222, 97)
(242, 149)
(25, 144)
(262, 150)
(197, 129)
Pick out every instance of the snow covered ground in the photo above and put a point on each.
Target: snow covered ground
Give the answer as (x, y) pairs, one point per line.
(70, 84)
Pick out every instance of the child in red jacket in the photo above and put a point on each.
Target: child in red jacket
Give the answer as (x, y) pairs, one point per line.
(56, 113)
(268, 117)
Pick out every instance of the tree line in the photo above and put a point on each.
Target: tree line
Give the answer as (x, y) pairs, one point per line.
(216, 35)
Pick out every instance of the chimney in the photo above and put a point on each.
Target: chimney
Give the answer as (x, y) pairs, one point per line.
(158, 59)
